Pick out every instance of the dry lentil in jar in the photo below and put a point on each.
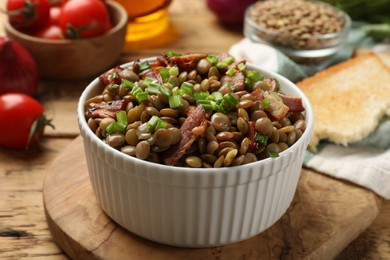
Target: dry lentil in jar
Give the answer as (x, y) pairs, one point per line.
(297, 21)
(194, 110)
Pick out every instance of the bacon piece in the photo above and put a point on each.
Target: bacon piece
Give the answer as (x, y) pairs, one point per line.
(276, 106)
(107, 77)
(253, 145)
(196, 118)
(235, 82)
(106, 109)
(152, 73)
(271, 84)
(222, 55)
(257, 94)
(184, 62)
(294, 104)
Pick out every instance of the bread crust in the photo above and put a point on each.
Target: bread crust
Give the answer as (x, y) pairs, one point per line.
(348, 99)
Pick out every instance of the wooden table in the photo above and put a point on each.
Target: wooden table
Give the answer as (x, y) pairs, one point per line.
(24, 231)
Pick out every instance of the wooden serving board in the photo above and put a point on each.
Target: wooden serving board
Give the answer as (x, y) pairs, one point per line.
(324, 217)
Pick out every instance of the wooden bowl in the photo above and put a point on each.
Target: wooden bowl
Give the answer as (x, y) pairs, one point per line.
(76, 59)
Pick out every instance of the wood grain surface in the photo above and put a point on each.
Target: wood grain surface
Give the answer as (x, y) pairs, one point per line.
(319, 224)
(24, 232)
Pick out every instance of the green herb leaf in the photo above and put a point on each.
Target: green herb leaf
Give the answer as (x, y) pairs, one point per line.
(273, 154)
(171, 54)
(266, 102)
(213, 59)
(113, 87)
(261, 139)
(144, 65)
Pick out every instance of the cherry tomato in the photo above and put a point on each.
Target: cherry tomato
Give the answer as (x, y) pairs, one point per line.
(52, 32)
(28, 15)
(18, 112)
(55, 14)
(84, 18)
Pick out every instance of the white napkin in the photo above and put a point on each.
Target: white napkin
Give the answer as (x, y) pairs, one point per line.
(366, 163)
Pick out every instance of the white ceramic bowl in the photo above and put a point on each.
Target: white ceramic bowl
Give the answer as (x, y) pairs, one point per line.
(191, 207)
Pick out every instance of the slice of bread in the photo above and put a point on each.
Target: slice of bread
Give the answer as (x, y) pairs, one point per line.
(348, 99)
(384, 56)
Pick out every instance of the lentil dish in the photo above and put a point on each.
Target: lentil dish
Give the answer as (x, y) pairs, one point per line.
(194, 110)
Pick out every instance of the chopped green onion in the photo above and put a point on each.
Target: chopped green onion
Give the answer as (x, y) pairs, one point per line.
(152, 90)
(120, 125)
(161, 124)
(139, 94)
(174, 71)
(277, 85)
(266, 102)
(230, 100)
(144, 65)
(171, 54)
(165, 91)
(151, 83)
(171, 82)
(273, 154)
(175, 101)
(114, 75)
(241, 66)
(213, 59)
(261, 139)
(254, 75)
(110, 128)
(225, 62)
(217, 95)
(127, 83)
(156, 123)
(121, 116)
(221, 65)
(208, 105)
(113, 87)
(230, 72)
(201, 95)
(187, 87)
(164, 72)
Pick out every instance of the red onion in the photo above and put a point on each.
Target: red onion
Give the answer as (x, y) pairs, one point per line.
(229, 12)
(18, 69)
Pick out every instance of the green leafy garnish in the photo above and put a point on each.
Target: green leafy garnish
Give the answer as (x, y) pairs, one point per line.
(261, 139)
(273, 154)
(171, 54)
(213, 59)
(144, 65)
(113, 87)
(266, 102)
